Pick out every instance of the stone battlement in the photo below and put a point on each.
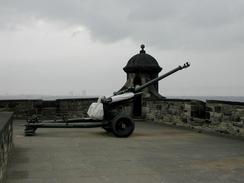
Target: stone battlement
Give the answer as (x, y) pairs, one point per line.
(223, 117)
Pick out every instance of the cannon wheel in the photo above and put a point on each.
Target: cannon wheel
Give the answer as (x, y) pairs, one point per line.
(122, 126)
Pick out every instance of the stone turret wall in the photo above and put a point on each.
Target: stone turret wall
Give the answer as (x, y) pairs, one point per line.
(220, 117)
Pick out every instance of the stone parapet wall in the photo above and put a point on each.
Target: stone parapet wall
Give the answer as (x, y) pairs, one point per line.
(19, 107)
(226, 117)
(214, 116)
(175, 111)
(220, 117)
(6, 142)
(75, 107)
(46, 109)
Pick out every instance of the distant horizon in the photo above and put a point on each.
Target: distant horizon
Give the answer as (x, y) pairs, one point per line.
(111, 94)
(55, 97)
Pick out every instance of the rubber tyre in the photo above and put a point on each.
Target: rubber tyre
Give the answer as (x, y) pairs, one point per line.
(122, 126)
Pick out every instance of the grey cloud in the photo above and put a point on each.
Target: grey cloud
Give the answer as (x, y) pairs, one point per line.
(168, 24)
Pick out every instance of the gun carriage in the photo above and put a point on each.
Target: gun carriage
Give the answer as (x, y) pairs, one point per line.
(101, 114)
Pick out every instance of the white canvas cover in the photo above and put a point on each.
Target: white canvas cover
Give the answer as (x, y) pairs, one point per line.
(95, 110)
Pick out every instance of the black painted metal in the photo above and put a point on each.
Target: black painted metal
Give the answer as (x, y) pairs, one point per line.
(138, 89)
(68, 125)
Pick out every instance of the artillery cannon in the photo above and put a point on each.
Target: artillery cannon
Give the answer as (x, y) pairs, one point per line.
(101, 113)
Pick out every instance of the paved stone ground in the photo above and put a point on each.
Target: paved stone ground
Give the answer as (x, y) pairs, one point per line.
(153, 154)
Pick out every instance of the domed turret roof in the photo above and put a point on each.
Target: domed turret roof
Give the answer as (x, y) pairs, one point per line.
(142, 62)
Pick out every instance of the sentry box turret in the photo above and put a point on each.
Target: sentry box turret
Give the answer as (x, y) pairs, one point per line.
(101, 113)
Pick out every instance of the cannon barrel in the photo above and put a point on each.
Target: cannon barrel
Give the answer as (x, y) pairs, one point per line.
(139, 88)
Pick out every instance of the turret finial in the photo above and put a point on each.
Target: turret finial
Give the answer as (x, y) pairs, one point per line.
(142, 49)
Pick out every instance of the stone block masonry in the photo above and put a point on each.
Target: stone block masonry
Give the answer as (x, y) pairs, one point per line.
(47, 108)
(6, 142)
(226, 117)
(222, 117)
(175, 111)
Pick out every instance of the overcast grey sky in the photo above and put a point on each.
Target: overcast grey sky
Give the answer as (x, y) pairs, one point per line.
(62, 46)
